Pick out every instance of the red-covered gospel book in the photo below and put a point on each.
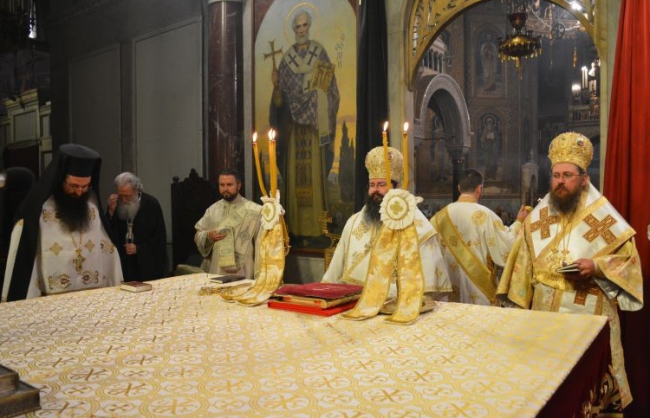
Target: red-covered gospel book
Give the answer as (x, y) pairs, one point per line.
(313, 310)
(320, 290)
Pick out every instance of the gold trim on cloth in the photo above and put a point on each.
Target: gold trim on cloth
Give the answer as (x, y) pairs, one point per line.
(481, 276)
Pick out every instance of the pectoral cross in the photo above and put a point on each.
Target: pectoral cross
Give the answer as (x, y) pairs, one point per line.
(545, 221)
(273, 53)
(78, 261)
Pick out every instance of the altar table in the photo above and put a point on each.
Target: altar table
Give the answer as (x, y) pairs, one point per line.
(172, 353)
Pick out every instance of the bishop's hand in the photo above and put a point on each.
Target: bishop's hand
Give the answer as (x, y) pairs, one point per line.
(586, 267)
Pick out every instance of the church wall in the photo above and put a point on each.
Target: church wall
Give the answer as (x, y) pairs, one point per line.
(167, 105)
(94, 113)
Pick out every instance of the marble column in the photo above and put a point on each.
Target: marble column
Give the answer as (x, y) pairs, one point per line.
(226, 139)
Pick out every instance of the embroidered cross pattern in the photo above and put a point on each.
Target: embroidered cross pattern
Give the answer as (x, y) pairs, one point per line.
(545, 221)
(600, 228)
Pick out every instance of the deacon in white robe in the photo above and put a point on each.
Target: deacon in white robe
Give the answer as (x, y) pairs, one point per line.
(474, 242)
(227, 235)
(351, 260)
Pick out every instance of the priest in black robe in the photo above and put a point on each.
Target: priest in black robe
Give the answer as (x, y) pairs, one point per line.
(138, 224)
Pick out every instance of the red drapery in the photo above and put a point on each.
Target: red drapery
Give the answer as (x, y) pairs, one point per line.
(627, 178)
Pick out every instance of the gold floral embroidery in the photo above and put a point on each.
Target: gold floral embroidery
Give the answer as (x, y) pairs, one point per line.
(491, 242)
(56, 248)
(59, 282)
(93, 215)
(90, 277)
(49, 216)
(90, 245)
(360, 230)
(499, 225)
(479, 218)
(475, 242)
(107, 247)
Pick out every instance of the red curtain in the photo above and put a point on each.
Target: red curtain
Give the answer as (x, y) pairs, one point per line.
(627, 178)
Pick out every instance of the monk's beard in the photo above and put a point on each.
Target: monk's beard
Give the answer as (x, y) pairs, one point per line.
(72, 210)
(371, 213)
(565, 204)
(127, 211)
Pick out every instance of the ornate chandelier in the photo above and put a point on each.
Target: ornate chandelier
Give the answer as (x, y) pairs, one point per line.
(519, 43)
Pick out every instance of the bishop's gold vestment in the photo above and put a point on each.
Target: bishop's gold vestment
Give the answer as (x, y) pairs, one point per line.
(350, 263)
(597, 232)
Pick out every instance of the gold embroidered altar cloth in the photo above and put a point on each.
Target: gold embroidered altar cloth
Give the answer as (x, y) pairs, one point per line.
(172, 353)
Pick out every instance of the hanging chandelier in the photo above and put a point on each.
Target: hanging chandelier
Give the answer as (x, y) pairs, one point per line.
(519, 43)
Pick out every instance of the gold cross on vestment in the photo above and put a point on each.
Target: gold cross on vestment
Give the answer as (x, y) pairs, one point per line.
(600, 228)
(78, 261)
(545, 221)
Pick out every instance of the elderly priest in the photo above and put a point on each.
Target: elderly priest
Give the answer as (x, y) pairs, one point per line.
(60, 241)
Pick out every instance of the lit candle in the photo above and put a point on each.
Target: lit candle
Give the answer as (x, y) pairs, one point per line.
(386, 160)
(405, 151)
(272, 163)
(260, 178)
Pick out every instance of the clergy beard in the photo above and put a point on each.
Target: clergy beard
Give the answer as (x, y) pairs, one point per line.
(72, 210)
(566, 204)
(371, 213)
(126, 211)
(229, 197)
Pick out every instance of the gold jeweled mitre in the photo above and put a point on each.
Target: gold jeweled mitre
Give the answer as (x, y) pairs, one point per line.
(377, 169)
(571, 147)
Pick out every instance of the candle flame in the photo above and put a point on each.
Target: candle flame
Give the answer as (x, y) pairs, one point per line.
(272, 134)
(254, 137)
(406, 127)
(385, 126)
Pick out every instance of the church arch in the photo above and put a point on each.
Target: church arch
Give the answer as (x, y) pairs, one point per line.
(449, 96)
(442, 93)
